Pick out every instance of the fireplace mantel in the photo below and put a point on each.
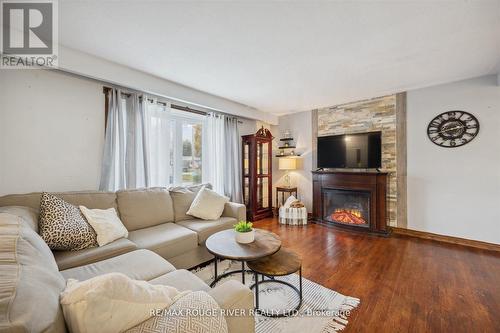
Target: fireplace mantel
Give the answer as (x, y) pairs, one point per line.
(372, 182)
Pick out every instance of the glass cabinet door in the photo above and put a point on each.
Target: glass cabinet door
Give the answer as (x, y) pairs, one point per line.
(262, 192)
(246, 173)
(246, 159)
(246, 190)
(263, 174)
(262, 158)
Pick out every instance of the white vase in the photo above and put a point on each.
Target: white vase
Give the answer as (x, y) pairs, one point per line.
(245, 237)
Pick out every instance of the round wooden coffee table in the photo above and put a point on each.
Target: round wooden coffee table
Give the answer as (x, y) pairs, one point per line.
(224, 246)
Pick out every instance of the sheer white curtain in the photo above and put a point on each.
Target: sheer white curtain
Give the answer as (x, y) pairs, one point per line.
(222, 156)
(213, 152)
(159, 130)
(136, 149)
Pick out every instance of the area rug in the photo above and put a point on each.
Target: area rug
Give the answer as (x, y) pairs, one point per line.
(323, 310)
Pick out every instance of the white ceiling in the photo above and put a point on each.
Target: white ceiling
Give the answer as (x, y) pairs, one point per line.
(285, 57)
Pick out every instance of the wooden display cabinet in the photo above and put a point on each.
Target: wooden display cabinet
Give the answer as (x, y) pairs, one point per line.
(257, 174)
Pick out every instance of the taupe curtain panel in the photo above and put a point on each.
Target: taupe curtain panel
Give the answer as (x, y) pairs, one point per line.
(222, 155)
(125, 161)
(232, 156)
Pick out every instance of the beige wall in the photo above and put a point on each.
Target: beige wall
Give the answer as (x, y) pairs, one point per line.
(455, 191)
(90, 66)
(51, 131)
(300, 126)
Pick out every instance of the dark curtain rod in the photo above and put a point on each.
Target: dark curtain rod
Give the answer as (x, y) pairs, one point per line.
(173, 106)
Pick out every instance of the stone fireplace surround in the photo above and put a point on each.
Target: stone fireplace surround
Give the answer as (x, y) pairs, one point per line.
(386, 114)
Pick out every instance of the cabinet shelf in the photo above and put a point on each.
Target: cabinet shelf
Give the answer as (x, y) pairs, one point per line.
(287, 155)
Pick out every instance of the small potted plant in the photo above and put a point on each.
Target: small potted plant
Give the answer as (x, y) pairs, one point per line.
(244, 232)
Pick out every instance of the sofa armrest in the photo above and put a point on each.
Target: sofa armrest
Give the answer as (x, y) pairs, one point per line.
(236, 210)
(232, 295)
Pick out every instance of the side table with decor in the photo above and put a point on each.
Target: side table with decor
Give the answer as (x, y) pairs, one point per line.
(292, 212)
(283, 190)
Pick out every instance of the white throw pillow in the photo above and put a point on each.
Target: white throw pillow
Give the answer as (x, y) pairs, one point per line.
(112, 303)
(207, 205)
(106, 224)
(288, 202)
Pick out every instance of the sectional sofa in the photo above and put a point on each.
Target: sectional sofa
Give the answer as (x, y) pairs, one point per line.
(163, 242)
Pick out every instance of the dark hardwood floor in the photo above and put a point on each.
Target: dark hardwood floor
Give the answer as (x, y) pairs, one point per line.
(405, 284)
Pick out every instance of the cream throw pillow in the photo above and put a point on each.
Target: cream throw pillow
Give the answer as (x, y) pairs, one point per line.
(106, 224)
(112, 303)
(207, 205)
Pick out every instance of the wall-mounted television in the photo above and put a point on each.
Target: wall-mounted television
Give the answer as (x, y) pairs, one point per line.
(356, 151)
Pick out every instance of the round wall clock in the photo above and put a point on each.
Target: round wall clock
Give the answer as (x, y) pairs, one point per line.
(453, 129)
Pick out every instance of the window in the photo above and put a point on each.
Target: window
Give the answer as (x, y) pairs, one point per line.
(186, 148)
(154, 146)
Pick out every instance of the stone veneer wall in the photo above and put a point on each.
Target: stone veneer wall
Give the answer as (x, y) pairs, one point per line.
(377, 114)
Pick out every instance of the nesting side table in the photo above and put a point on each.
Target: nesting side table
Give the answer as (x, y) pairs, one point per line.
(283, 262)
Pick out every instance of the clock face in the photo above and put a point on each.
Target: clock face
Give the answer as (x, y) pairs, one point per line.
(453, 129)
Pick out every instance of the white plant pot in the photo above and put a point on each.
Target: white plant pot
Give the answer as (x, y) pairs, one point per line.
(245, 237)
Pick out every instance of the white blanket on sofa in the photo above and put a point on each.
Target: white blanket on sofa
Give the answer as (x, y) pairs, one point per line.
(114, 302)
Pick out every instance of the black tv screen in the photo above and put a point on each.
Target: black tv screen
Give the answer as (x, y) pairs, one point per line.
(357, 151)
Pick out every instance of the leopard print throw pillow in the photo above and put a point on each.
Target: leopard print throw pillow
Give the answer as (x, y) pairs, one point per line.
(63, 226)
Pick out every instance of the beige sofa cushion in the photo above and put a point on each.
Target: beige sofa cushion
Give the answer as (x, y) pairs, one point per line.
(182, 280)
(206, 228)
(89, 199)
(168, 239)
(29, 215)
(68, 259)
(144, 208)
(182, 198)
(192, 258)
(138, 265)
(29, 281)
(232, 295)
(28, 200)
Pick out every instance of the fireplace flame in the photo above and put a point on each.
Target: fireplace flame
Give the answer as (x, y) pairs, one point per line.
(354, 212)
(348, 216)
